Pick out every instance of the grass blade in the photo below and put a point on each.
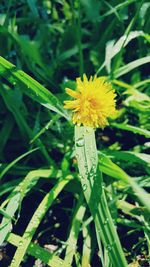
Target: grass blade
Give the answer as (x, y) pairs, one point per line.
(6, 225)
(15, 161)
(38, 252)
(74, 232)
(130, 66)
(35, 221)
(132, 128)
(110, 168)
(91, 181)
(30, 87)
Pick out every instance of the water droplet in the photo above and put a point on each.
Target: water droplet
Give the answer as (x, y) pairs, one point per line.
(84, 187)
(20, 243)
(80, 142)
(99, 230)
(81, 176)
(47, 127)
(109, 248)
(87, 130)
(13, 261)
(103, 185)
(106, 221)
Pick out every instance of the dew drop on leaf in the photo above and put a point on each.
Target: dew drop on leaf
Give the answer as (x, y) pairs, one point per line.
(84, 187)
(80, 142)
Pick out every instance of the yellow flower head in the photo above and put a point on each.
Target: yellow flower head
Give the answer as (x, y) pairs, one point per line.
(94, 102)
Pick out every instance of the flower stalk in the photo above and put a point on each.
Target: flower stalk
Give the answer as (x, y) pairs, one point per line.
(92, 185)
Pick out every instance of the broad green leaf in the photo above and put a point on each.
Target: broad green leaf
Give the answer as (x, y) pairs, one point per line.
(91, 181)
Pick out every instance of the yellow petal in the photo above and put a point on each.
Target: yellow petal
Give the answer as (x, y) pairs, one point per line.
(71, 104)
(72, 93)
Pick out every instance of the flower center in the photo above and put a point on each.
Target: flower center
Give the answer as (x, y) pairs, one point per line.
(88, 107)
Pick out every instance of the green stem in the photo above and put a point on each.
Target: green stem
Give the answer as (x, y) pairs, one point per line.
(92, 185)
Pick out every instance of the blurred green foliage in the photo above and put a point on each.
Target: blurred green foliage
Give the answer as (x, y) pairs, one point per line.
(51, 43)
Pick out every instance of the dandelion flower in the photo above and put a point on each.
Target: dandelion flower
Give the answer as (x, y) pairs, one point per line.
(94, 102)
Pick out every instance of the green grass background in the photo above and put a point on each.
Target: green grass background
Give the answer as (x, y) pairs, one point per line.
(44, 46)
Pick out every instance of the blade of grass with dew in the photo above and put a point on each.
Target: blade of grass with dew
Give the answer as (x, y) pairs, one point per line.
(6, 224)
(33, 176)
(38, 252)
(45, 128)
(131, 128)
(91, 180)
(36, 219)
(30, 180)
(30, 87)
(74, 231)
(15, 198)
